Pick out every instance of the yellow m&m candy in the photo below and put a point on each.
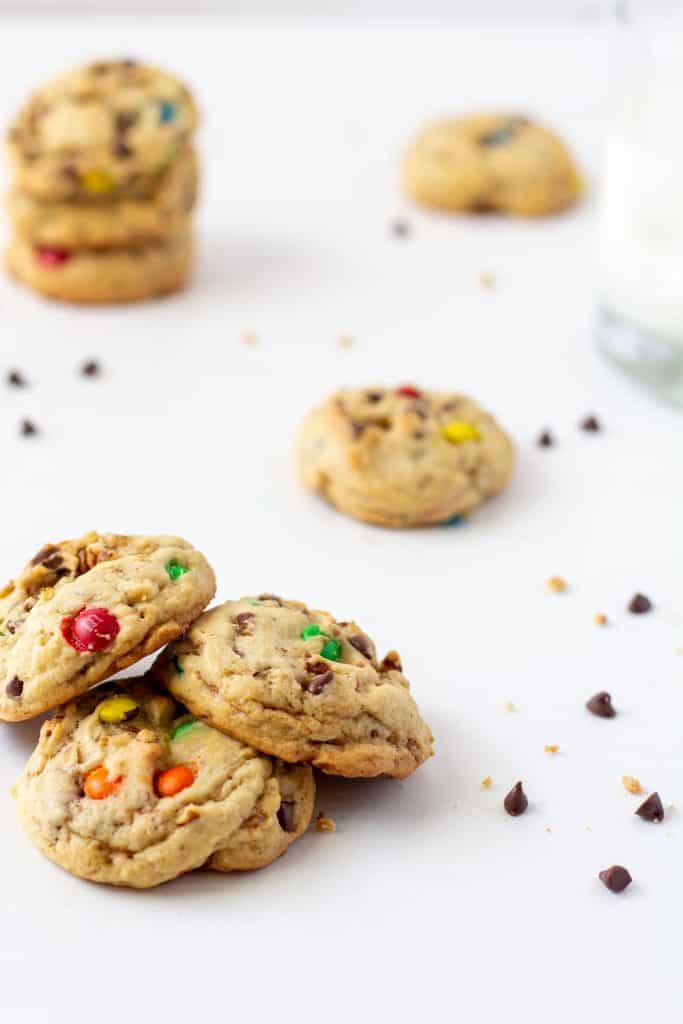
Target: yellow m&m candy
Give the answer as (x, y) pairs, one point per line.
(116, 709)
(457, 432)
(96, 182)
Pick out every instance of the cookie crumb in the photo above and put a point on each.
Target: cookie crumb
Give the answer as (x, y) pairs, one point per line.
(551, 748)
(400, 228)
(344, 341)
(590, 424)
(249, 337)
(600, 619)
(632, 784)
(90, 368)
(28, 428)
(557, 584)
(486, 280)
(545, 439)
(548, 828)
(509, 706)
(486, 782)
(325, 824)
(16, 379)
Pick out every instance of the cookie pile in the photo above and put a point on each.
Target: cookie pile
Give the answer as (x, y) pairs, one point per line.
(207, 760)
(105, 181)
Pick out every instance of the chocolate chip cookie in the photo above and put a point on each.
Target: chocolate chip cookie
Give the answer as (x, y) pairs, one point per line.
(298, 685)
(482, 162)
(126, 788)
(108, 129)
(403, 456)
(83, 609)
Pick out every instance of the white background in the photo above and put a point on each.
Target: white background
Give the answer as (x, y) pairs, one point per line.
(429, 902)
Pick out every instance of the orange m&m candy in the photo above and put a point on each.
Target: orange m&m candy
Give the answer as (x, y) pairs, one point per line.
(98, 785)
(173, 780)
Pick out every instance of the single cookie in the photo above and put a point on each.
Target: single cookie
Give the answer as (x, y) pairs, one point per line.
(491, 162)
(81, 224)
(83, 609)
(126, 788)
(403, 457)
(299, 685)
(108, 129)
(102, 275)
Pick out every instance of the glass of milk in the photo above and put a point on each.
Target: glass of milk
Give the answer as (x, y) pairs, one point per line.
(640, 211)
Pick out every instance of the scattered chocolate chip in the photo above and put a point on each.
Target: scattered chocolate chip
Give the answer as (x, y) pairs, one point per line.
(516, 801)
(639, 604)
(28, 428)
(318, 683)
(391, 662)
(545, 439)
(124, 121)
(90, 368)
(400, 229)
(285, 815)
(600, 704)
(591, 424)
(45, 552)
(15, 379)
(122, 151)
(651, 809)
(363, 644)
(14, 688)
(615, 878)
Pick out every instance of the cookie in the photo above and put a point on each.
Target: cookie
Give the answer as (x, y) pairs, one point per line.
(107, 129)
(485, 162)
(102, 275)
(125, 788)
(298, 685)
(121, 222)
(83, 609)
(403, 457)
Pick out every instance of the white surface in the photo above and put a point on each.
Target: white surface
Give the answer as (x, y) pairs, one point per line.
(429, 903)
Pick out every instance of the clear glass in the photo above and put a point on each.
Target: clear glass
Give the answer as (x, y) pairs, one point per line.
(640, 211)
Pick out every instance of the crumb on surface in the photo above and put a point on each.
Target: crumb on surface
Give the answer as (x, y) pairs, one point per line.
(509, 706)
(600, 619)
(557, 584)
(486, 782)
(344, 341)
(551, 748)
(249, 337)
(548, 828)
(486, 279)
(325, 824)
(631, 783)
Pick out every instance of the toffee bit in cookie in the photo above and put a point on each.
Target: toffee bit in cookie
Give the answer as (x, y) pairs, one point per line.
(545, 439)
(90, 368)
(325, 824)
(14, 688)
(551, 748)
(516, 801)
(632, 784)
(600, 704)
(616, 878)
(486, 782)
(639, 604)
(651, 809)
(391, 662)
(600, 619)
(557, 584)
(16, 379)
(28, 428)
(590, 424)
(285, 815)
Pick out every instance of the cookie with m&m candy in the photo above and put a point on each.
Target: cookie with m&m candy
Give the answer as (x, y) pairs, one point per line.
(83, 609)
(403, 456)
(125, 787)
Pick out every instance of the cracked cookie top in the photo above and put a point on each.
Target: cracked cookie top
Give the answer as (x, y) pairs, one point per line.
(403, 456)
(125, 787)
(109, 128)
(299, 685)
(83, 609)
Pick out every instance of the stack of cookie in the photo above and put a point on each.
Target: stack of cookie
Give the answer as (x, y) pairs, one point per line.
(207, 760)
(105, 181)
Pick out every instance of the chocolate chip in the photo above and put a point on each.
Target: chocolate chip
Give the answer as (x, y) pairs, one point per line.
(600, 704)
(90, 368)
(122, 151)
(516, 801)
(45, 552)
(374, 396)
(545, 439)
(70, 173)
(400, 229)
(363, 644)
(651, 809)
(14, 688)
(357, 428)
(243, 619)
(318, 683)
(124, 121)
(391, 663)
(54, 562)
(285, 815)
(15, 379)
(615, 878)
(317, 667)
(591, 424)
(28, 428)
(639, 604)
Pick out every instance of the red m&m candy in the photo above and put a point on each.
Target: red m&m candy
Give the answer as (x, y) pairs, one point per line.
(92, 630)
(408, 391)
(50, 256)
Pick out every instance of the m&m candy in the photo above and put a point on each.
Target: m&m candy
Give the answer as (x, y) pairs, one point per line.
(91, 630)
(457, 432)
(117, 709)
(98, 785)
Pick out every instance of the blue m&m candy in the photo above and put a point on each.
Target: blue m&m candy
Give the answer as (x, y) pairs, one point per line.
(167, 111)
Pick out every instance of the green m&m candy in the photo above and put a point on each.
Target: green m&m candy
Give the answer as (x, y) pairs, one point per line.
(176, 569)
